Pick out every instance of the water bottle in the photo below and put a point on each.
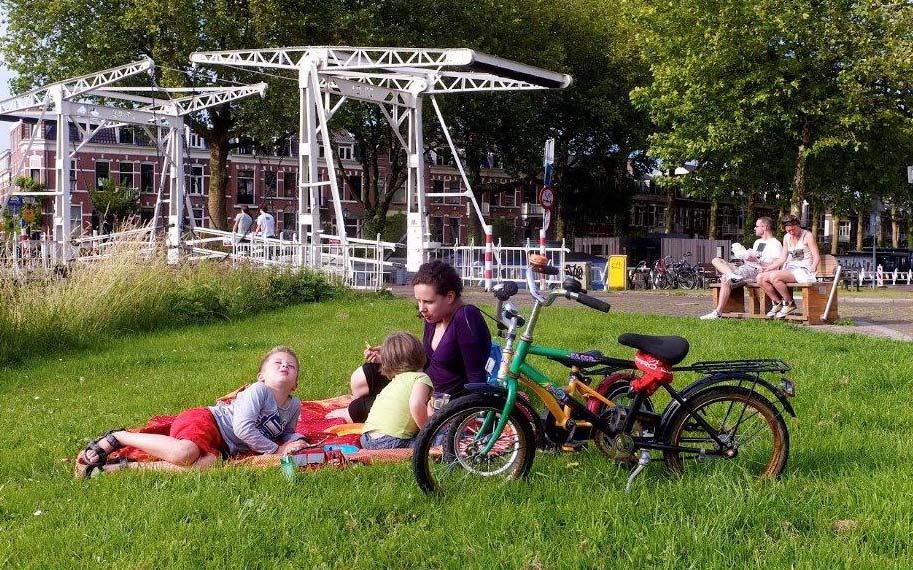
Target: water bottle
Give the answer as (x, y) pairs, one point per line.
(288, 467)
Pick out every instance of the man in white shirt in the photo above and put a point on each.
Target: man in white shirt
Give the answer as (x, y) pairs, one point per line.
(266, 224)
(765, 249)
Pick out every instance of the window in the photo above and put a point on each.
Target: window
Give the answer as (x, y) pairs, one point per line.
(289, 225)
(355, 187)
(147, 177)
(195, 182)
(454, 230)
(437, 187)
(269, 183)
(35, 174)
(198, 216)
(245, 187)
(193, 140)
(102, 173)
(76, 228)
(399, 197)
(346, 151)
(290, 184)
(352, 225)
(509, 198)
(441, 158)
(436, 228)
(74, 174)
(126, 174)
(125, 135)
(454, 187)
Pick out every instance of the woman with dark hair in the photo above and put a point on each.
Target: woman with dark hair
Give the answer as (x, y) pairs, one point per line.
(456, 341)
(798, 263)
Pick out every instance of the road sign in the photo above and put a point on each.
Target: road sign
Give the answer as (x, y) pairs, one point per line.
(546, 219)
(910, 174)
(547, 197)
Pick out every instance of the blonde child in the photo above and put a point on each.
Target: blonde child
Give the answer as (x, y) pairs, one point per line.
(401, 408)
(262, 419)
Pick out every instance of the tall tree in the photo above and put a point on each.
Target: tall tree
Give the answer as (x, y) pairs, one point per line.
(792, 79)
(50, 41)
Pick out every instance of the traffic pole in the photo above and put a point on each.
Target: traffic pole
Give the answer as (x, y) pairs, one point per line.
(489, 257)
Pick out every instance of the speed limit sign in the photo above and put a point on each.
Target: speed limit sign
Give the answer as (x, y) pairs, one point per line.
(547, 197)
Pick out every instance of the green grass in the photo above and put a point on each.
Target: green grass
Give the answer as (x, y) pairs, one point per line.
(851, 460)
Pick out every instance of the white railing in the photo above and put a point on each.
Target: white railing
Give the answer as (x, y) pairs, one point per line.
(18, 258)
(94, 247)
(360, 264)
(509, 263)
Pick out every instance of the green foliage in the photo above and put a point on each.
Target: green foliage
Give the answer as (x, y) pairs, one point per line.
(124, 294)
(114, 200)
(767, 96)
(848, 462)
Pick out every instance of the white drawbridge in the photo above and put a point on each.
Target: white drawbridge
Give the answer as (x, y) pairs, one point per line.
(397, 80)
(86, 103)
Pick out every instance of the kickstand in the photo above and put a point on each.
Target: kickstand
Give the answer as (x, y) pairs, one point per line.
(641, 465)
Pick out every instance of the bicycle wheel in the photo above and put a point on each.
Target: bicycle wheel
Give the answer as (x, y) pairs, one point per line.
(688, 280)
(449, 451)
(739, 416)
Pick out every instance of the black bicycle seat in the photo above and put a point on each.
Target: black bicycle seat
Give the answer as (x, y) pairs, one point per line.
(669, 349)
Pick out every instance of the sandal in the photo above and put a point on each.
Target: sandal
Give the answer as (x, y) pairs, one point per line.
(100, 467)
(100, 453)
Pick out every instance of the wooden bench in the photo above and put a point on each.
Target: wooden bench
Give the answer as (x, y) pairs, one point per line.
(750, 301)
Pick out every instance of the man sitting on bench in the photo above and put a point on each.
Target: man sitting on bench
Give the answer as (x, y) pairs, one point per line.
(766, 249)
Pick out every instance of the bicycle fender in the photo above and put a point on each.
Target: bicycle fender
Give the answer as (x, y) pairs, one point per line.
(713, 380)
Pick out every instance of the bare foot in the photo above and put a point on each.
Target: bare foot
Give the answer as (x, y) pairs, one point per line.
(341, 413)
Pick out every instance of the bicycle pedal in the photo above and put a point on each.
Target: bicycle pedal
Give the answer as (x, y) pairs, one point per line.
(573, 447)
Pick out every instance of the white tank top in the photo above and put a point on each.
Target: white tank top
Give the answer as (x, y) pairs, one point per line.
(798, 253)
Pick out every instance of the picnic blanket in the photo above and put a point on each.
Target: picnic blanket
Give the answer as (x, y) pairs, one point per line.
(318, 431)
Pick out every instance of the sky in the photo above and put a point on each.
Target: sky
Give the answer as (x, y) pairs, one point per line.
(4, 93)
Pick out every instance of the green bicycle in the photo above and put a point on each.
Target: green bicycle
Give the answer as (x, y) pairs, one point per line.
(733, 415)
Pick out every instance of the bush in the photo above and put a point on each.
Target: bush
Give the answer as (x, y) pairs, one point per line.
(125, 294)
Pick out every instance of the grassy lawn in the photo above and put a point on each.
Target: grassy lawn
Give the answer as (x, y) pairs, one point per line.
(851, 461)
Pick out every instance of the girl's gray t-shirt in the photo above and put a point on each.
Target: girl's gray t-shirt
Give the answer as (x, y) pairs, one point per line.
(255, 422)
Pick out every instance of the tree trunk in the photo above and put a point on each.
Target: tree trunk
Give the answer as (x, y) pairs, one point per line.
(670, 209)
(712, 222)
(795, 205)
(218, 182)
(814, 225)
(835, 233)
(749, 219)
(895, 228)
(860, 228)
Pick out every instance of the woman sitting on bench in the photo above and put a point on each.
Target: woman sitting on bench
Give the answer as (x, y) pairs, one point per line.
(799, 262)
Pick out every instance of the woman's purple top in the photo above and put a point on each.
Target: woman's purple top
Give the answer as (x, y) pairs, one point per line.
(461, 354)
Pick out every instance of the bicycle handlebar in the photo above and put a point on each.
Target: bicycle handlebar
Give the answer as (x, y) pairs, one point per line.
(539, 264)
(591, 302)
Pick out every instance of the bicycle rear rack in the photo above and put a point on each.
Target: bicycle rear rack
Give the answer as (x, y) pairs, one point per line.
(710, 367)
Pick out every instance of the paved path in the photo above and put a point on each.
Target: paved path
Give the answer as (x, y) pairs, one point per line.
(875, 316)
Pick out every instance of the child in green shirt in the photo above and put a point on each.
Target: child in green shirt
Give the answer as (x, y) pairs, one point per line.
(401, 408)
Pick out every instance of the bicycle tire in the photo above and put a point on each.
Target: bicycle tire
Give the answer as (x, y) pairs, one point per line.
(736, 401)
(453, 432)
(688, 280)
